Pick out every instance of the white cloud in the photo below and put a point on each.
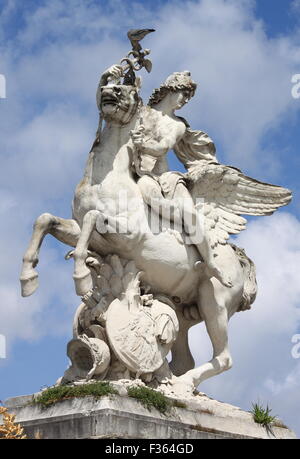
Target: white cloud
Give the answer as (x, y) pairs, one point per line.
(295, 6)
(244, 77)
(290, 382)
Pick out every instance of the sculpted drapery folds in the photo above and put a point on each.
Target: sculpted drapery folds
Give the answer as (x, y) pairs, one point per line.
(142, 289)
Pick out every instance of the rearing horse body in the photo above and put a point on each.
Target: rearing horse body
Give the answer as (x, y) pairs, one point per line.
(166, 261)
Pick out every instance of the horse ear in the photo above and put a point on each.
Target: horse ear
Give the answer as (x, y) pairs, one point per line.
(138, 83)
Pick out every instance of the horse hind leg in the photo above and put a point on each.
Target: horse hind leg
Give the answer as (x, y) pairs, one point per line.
(182, 359)
(66, 231)
(214, 312)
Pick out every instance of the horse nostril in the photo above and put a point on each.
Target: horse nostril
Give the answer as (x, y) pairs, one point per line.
(105, 221)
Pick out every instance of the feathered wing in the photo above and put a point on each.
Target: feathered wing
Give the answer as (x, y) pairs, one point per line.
(223, 193)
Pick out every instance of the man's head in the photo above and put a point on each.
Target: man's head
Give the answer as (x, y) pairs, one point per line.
(177, 83)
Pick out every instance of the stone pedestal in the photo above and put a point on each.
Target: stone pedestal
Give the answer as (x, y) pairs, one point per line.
(122, 417)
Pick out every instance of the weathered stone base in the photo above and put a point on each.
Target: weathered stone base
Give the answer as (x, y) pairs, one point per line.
(117, 417)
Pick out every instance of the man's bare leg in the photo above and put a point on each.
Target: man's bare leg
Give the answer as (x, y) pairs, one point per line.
(194, 225)
(181, 209)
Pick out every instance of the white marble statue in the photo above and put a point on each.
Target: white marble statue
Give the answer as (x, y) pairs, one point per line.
(151, 249)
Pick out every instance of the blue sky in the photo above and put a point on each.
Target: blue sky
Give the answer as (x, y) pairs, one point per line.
(243, 54)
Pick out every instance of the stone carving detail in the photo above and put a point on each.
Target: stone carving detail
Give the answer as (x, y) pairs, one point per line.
(150, 245)
(117, 319)
(90, 359)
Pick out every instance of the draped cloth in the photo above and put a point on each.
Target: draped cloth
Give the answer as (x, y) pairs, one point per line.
(195, 146)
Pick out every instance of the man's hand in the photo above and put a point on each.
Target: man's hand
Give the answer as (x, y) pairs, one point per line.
(137, 136)
(115, 73)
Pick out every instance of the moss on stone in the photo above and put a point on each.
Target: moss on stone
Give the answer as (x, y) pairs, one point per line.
(150, 398)
(58, 393)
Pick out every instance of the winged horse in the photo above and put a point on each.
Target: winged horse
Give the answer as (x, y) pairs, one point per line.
(165, 259)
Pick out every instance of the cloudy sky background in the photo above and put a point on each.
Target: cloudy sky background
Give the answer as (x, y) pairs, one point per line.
(243, 54)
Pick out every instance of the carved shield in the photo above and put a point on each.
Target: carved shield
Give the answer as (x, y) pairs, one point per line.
(132, 336)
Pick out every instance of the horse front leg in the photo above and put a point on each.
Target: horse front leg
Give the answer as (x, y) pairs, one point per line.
(66, 231)
(82, 275)
(94, 220)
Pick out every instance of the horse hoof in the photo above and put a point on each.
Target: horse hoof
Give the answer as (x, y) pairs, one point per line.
(29, 284)
(83, 283)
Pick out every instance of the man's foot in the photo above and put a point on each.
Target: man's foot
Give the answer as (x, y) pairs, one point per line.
(213, 271)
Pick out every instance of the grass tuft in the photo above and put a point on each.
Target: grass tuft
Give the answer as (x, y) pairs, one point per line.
(150, 398)
(262, 415)
(58, 393)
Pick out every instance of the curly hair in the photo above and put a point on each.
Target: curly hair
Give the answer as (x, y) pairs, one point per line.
(175, 82)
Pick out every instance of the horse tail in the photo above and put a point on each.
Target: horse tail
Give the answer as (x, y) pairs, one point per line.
(250, 284)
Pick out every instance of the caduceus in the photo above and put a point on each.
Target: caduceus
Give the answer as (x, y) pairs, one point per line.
(136, 59)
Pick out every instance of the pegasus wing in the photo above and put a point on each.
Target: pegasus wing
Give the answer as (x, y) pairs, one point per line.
(223, 193)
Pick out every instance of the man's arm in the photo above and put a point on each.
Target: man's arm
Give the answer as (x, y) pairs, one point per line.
(161, 166)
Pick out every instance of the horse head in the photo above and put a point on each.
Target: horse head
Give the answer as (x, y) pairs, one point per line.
(118, 103)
